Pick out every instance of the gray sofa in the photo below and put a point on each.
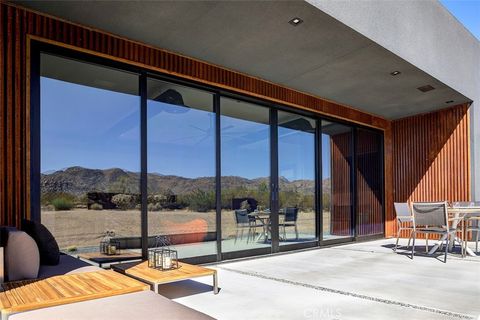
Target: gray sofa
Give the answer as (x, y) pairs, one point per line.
(139, 305)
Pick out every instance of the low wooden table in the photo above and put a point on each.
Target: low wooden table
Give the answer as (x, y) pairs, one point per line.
(29, 295)
(153, 277)
(101, 258)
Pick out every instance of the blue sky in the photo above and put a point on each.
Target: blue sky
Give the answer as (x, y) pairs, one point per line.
(467, 12)
(95, 128)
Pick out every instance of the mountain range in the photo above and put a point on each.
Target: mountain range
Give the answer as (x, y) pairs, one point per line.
(79, 180)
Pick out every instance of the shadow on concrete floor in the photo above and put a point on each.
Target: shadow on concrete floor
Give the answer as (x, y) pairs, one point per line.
(184, 288)
(421, 251)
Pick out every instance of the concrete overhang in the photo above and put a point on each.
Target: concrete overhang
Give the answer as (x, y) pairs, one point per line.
(321, 56)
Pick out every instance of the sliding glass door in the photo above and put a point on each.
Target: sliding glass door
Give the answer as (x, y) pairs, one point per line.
(369, 177)
(245, 180)
(296, 172)
(90, 153)
(337, 169)
(181, 168)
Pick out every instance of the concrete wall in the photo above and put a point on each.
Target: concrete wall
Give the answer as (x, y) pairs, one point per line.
(425, 34)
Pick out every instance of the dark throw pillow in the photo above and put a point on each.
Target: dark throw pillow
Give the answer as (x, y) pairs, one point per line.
(47, 245)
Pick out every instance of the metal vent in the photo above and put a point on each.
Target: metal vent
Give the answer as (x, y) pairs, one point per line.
(426, 88)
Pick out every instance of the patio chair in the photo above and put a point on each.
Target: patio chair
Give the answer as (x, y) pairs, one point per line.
(244, 221)
(290, 220)
(404, 220)
(474, 227)
(432, 217)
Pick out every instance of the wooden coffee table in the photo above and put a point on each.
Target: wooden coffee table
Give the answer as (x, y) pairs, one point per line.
(101, 258)
(154, 278)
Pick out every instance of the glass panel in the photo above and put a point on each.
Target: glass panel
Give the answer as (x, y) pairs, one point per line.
(369, 183)
(245, 136)
(296, 168)
(90, 154)
(181, 168)
(336, 180)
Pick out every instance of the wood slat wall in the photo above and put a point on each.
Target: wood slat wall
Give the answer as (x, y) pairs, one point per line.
(19, 25)
(431, 157)
(14, 173)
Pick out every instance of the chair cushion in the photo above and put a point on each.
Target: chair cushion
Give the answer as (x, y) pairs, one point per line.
(22, 258)
(85, 269)
(47, 245)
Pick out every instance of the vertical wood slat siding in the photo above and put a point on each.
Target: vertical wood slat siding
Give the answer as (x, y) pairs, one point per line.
(369, 211)
(16, 23)
(431, 157)
(340, 175)
(13, 173)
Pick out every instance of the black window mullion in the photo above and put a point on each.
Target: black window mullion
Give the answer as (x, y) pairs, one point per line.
(35, 142)
(354, 182)
(319, 181)
(218, 175)
(274, 189)
(143, 163)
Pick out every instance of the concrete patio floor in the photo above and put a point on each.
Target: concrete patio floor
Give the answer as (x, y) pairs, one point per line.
(355, 281)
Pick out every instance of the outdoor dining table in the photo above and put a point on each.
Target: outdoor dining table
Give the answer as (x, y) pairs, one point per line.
(463, 213)
(264, 218)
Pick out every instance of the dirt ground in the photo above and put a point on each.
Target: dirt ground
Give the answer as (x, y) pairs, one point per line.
(84, 228)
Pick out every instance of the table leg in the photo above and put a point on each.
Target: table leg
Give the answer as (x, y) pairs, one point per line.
(261, 234)
(468, 251)
(435, 247)
(215, 283)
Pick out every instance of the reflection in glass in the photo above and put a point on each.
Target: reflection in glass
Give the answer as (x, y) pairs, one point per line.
(336, 180)
(90, 154)
(245, 145)
(181, 168)
(369, 177)
(296, 165)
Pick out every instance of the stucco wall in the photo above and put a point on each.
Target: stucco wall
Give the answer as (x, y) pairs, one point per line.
(425, 34)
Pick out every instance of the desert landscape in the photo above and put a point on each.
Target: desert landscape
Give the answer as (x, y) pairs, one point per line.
(79, 205)
(80, 228)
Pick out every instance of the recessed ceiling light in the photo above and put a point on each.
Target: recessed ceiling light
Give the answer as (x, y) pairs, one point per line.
(426, 88)
(395, 73)
(449, 101)
(295, 21)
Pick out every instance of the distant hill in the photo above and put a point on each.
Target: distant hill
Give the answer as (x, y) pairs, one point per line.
(78, 181)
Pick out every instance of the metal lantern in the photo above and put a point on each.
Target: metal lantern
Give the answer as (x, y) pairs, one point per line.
(108, 245)
(162, 257)
(113, 247)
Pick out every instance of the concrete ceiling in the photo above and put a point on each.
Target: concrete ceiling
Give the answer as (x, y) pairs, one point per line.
(321, 56)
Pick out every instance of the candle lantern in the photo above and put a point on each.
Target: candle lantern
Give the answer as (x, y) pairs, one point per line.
(108, 245)
(162, 257)
(113, 247)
